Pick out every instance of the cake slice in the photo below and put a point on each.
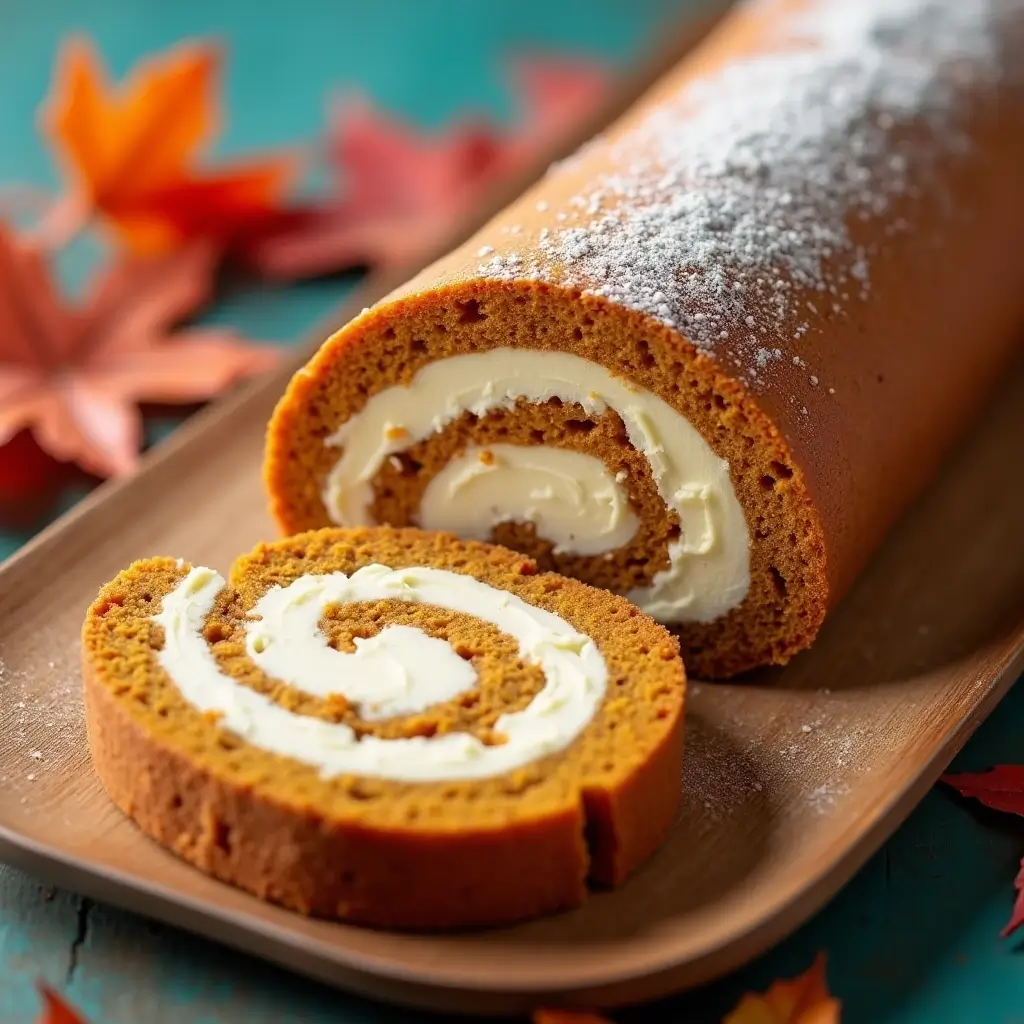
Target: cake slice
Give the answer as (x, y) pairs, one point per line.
(387, 726)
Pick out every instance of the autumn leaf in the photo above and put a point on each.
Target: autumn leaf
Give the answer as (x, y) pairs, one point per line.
(29, 480)
(801, 1000)
(129, 152)
(1002, 789)
(55, 1009)
(74, 377)
(1017, 916)
(568, 1017)
(555, 93)
(401, 190)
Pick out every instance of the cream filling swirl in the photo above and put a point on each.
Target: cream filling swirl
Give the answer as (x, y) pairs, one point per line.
(572, 498)
(709, 564)
(278, 637)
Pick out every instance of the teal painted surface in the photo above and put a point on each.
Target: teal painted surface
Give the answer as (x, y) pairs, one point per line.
(912, 940)
(423, 58)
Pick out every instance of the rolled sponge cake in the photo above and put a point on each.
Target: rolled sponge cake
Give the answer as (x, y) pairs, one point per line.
(709, 359)
(387, 726)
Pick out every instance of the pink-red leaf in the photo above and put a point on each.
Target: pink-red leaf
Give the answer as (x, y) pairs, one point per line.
(199, 365)
(30, 479)
(75, 377)
(400, 191)
(1017, 917)
(1002, 788)
(555, 93)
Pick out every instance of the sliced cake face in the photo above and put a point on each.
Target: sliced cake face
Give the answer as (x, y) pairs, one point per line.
(357, 707)
(574, 431)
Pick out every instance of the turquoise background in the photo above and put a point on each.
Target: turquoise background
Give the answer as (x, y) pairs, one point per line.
(912, 940)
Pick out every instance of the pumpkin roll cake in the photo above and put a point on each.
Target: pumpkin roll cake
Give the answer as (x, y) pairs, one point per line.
(710, 358)
(387, 726)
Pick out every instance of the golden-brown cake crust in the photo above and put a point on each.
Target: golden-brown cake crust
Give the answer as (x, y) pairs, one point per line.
(375, 850)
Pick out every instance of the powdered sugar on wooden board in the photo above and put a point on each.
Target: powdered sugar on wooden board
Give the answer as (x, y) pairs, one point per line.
(42, 727)
(726, 205)
(738, 756)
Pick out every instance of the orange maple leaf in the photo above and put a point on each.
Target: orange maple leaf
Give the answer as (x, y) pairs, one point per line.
(402, 190)
(129, 151)
(801, 1000)
(75, 376)
(55, 1009)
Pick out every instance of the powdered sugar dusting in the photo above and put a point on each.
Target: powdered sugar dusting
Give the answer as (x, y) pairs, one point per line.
(43, 726)
(730, 199)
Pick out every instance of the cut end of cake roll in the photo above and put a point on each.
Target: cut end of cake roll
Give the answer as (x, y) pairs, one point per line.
(387, 726)
(711, 357)
(594, 439)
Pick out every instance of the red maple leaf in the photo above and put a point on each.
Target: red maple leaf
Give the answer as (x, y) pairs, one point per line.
(75, 376)
(30, 480)
(1017, 915)
(55, 1009)
(401, 190)
(1002, 789)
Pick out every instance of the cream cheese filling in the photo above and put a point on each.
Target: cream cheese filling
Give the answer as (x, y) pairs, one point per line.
(571, 497)
(709, 564)
(399, 671)
(278, 637)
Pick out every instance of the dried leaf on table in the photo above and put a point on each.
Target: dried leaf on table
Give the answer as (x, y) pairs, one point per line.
(30, 480)
(55, 1009)
(75, 376)
(555, 94)
(1017, 915)
(129, 152)
(568, 1017)
(401, 190)
(801, 1000)
(1002, 789)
